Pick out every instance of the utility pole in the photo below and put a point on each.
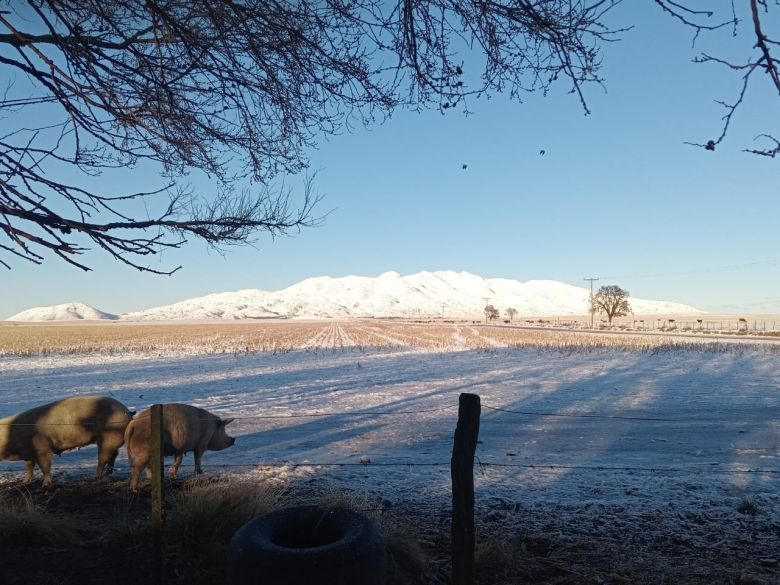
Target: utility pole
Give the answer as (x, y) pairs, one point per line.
(591, 299)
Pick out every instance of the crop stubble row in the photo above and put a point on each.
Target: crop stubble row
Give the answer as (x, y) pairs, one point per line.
(116, 338)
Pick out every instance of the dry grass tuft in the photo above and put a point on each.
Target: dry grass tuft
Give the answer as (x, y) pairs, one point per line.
(204, 515)
(25, 523)
(748, 507)
(408, 562)
(206, 509)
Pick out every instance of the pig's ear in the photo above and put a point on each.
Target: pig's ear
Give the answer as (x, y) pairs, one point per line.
(227, 421)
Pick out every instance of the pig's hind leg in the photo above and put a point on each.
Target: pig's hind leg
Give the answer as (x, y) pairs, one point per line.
(175, 467)
(107, 452)
(29, 467)
(44, 462)
(140, 461)
(42, 458)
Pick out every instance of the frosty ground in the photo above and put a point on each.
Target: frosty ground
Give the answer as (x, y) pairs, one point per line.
(664, 462)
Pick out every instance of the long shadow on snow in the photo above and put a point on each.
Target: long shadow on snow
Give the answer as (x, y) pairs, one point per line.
(701, 426)
(144, 382)
(702, 423)
(300, 387)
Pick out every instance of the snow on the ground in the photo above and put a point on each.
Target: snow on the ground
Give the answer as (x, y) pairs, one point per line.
(684, 442)
(697, 427)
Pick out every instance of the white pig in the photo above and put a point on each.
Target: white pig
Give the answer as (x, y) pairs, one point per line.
(36, 434)
(185, 428)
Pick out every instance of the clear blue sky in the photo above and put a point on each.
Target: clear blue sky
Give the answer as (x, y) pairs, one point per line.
(617, 195)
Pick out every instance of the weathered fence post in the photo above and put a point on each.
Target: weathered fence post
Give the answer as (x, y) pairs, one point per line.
(462, 468)
(158, 512)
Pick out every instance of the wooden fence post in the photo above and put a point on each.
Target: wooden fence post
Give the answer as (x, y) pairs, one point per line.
(156, 463)
(462, 468)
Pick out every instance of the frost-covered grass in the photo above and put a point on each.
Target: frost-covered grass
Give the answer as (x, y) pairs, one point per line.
(116, 338)
(144, 339)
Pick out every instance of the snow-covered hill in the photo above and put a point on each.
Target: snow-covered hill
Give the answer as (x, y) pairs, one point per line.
(64, 312)
(448, 293)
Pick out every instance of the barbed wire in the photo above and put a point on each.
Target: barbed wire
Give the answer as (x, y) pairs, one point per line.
(597, 416)
(353, 413)
(346, 413)
(701, 469)
(59, 424)
(240, 417)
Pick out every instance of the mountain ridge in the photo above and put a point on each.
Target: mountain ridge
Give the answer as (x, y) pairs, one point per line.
(63, 312)
(443, 293)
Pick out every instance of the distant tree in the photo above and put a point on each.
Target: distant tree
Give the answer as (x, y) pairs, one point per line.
(511, 312)
(491, 312)
(611, 301)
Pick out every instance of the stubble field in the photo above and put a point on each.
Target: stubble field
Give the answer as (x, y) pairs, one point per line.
(603, 458)
(278, 337)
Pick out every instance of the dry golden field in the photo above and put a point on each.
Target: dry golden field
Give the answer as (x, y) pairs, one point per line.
(18, 339)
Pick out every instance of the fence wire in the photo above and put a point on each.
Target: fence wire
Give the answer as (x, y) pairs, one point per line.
(700, 469)
(404, 412)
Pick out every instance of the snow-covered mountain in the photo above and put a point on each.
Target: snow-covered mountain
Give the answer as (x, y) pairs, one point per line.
(64, 312)
(453, 294)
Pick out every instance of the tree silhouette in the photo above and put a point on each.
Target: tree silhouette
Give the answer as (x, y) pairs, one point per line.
(511, 312)
(491, 312)
(611, 301)
(241, 90)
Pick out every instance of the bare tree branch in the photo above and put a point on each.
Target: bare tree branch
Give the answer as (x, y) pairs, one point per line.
(770, 152)
(241, 91)
(764, 58)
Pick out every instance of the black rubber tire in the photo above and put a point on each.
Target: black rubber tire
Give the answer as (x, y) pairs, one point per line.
(308, 545)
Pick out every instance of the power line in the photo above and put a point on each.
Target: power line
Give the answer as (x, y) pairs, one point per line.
(729, 268)
(487, 302)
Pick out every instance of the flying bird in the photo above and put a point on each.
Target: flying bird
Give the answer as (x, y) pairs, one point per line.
(464, 166)
(542, 152)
